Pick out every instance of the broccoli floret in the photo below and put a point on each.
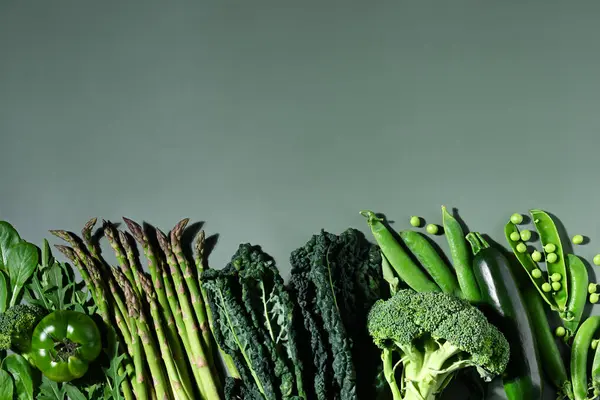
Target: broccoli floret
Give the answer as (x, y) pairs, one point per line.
(433, 335)
(16, 325)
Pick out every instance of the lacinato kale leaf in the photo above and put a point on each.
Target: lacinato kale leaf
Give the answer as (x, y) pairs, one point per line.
(236, 334)
(335, 280)
(271, 310)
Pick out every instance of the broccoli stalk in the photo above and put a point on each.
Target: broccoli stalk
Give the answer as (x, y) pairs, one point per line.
(430, 336)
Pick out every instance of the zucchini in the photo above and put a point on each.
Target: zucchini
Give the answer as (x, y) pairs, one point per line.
(503, 304)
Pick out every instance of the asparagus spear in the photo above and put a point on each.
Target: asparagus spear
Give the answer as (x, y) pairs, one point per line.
(192, 286)
(112, 236)
(134, 263)
(182, 388)
(161, 383)
(167, 302)
(199, 261)
(207, 385)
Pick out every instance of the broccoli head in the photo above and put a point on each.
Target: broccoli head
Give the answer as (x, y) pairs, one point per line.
(433, 335)
(16, 325)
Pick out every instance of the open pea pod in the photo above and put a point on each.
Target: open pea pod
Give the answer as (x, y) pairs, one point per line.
(528, 264)
(548, 232)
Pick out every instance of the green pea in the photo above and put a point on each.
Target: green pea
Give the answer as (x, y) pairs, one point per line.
(546, 287)
(594, 297)
(560, 331)
(596, 259)
(432, 229)
(516, 218)
(556, 277)
(552, 258)
(521, 248)
(415, 221)
(592, 287)
(577, 239)
(556, 286)
(594, 344)
(536, 273)
(550, 248)
(525, 235)
(537, 256)
(515, 236)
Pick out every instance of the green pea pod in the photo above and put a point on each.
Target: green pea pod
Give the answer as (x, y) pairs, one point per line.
(578, 286)
(596, 372)
(549, 235)
(404, 266)
(528, 264)
(579, 356)
(461, 257)
(431, 261)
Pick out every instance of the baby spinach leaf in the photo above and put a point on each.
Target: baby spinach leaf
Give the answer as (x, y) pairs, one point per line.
(4, 289)
(8, 238)
(7, 386)
(21, 372)
(21, 262)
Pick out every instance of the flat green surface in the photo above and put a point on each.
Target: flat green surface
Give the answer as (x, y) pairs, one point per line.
(271, 120)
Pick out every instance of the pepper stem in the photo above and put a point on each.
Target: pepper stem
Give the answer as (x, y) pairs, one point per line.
(65, 348)
(477, 242)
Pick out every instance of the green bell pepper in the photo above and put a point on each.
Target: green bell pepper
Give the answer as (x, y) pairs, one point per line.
(63, 345)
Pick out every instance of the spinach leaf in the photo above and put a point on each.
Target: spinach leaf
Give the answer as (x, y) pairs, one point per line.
(4, 290)
(22, 374)
(8, 238)
(7, 386)
(21, 262)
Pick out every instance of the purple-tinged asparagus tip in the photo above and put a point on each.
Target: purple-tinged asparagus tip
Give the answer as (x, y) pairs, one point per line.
(64, 235)
(87, 229)
(66, 251)
(200, 241)
(162, 241)
(135, 229)
(177, 231)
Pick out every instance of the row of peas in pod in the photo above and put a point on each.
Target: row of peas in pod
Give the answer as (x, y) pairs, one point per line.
(554, 283)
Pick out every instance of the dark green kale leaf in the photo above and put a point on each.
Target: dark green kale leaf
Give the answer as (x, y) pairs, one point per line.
(235, 332)
(269, 305)
(335, 280)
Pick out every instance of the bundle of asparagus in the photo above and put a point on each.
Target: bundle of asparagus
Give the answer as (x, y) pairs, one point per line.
(162, 317)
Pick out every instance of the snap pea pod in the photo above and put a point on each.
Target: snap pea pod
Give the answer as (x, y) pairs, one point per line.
(528, 264)
(596, 372)
(461, 257)
(549, 235)
(578, 285)
(579, 356)
(431, 261)
(404, 266)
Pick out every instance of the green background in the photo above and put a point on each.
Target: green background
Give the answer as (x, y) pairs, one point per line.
(270, 120)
